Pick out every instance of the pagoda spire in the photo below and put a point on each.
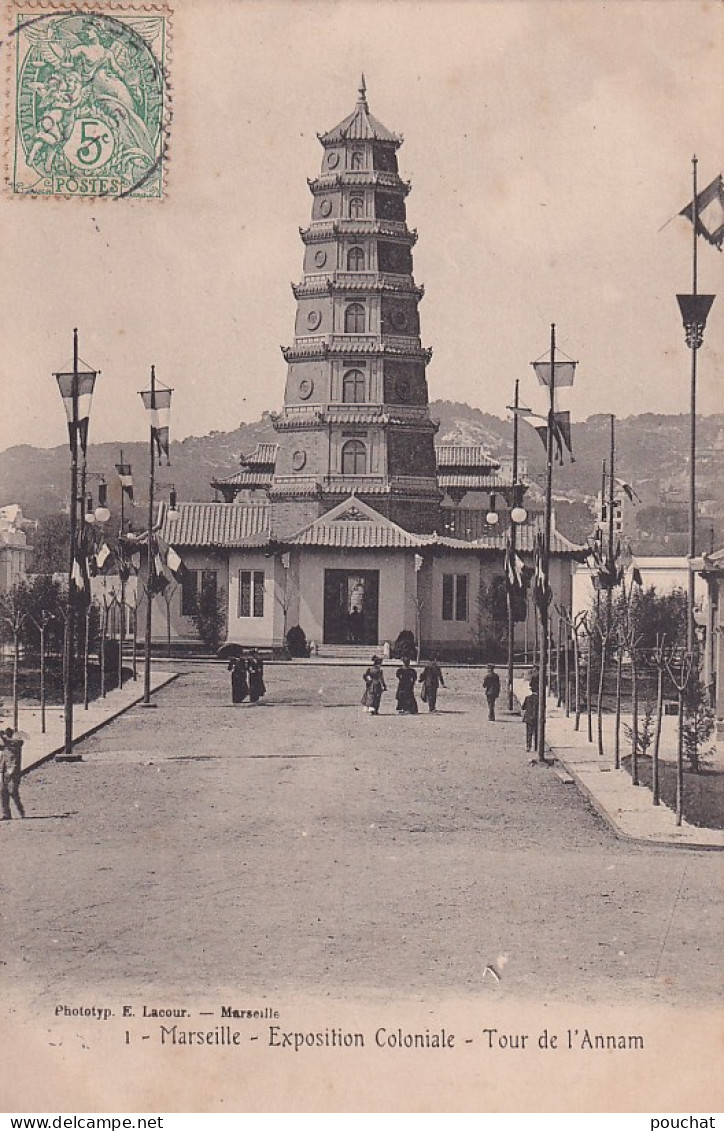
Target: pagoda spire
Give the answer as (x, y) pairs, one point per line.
(362, 100)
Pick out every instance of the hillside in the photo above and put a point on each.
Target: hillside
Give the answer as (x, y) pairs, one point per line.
(652, 454)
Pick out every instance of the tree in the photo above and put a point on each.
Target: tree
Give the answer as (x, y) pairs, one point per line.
(50, 548)
(698, 721)
(210, 616)
(491, 627)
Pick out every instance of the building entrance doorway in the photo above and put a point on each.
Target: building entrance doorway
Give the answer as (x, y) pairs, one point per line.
(351, 606)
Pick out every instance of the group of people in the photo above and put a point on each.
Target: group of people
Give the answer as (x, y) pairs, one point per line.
(430, 679)
(247, 677)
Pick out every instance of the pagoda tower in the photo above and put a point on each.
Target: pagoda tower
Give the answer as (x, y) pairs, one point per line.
(356, 418)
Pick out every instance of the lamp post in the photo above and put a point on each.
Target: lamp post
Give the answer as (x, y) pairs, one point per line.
(518, 515)
(157, 402)
(694, 313)
(553, 374)
(76, 389)
(126, 479)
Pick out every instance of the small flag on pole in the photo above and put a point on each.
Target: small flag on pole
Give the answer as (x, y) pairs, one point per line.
(627, 490)
(126, 478)
(709, 213)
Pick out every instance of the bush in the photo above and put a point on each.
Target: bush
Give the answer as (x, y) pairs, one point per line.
(297, 641)
(404, 646)
(210, 616)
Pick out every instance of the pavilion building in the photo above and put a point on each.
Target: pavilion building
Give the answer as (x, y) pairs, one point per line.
(353, 524)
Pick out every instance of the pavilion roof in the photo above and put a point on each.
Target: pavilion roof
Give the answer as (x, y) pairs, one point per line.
(216, 524)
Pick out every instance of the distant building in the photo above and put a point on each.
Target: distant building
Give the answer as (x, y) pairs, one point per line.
(664, 574)
(13, 547)
(710, 569)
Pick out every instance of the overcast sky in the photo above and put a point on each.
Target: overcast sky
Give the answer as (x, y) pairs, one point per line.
(547, 143)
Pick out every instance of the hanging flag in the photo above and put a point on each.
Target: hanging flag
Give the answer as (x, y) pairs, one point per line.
(126, 478)
(174, 563)
(709, 213)
(513, 568)
(542, 430)
(563, 373)
(157, 403)
(627, 490)
(77, 391)
(102, 555)
(636, 577)
(563, 426)
(541, 592)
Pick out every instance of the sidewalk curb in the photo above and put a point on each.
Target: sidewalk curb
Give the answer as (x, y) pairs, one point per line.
(611, 820)
(99, 726)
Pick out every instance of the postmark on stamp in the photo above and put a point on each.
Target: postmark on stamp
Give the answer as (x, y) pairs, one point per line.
(91, 102)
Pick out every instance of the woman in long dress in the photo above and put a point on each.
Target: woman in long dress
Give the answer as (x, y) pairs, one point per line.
(239, 684)
(374, 686)
(255, 667)
(406, 680)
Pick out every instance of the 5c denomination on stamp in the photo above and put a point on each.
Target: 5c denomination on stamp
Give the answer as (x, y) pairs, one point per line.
(91, 101)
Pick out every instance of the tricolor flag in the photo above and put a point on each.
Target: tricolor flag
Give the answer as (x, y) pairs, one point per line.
(513, 568)
(541, 592)
(627, 490)
(102, 555)
(709, 212)
(126, 478)
(76, 390)
(157, 403)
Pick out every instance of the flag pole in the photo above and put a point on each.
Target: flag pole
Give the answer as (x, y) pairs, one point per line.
(544, 618)
(690, 633)
(512, 535)
(149, 549)
(122, 626)
(69, 672)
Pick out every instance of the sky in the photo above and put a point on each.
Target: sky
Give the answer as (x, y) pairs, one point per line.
(548, 144)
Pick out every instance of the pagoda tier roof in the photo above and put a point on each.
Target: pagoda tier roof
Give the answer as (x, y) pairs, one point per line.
(417, 487)
(362, 281)
(216, 524)
(457, 456)
(360, 125)
(341, 346)
(244, 478)
(320, 230)
(364, 178)
(473, 481)
(264, 455)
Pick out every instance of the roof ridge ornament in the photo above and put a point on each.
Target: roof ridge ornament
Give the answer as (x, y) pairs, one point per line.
(362, 100)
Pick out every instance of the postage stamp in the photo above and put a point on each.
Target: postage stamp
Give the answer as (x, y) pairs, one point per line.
(91, 102)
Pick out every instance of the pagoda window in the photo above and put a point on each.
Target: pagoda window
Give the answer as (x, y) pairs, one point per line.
(355, 259)
(353, 387)
(354, 318)
(357, 160)
(356, 207)
(354, 458)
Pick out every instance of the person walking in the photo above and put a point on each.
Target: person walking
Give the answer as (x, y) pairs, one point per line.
(431, 678)
(491, 686)
(374, 686)
(11, 752)
(530, 719)
(239, 683)
(255, 668)
(406, 680)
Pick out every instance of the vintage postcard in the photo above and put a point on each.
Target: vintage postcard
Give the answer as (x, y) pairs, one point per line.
(342, 669)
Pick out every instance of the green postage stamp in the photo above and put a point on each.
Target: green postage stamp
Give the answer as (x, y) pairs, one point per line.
(92, 106)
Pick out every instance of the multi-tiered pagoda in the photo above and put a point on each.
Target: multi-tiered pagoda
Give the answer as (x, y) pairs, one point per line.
(355, 416)
(353, 526)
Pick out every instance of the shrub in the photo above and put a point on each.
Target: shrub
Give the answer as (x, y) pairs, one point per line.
(297, 641)
(404, 646)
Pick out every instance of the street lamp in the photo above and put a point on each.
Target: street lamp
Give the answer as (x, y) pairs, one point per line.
(157, 402)
(76, 388)
(553, 374)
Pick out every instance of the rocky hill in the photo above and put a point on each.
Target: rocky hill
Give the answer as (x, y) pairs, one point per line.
(651, 453)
